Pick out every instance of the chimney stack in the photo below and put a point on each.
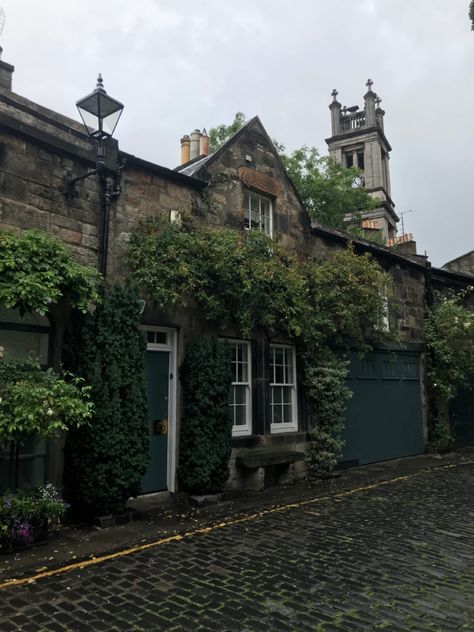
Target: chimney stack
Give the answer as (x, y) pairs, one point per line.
(6, 72)
(185, 149)
(204, 143)
(195, 143)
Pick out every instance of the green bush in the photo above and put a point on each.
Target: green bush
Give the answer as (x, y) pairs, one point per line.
(105, 461)
(327, 395)
(37, 403)
(449, 332)
(38, 269)
(206, 427)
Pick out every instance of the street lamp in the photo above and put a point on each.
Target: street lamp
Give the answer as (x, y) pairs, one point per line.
(100, 114)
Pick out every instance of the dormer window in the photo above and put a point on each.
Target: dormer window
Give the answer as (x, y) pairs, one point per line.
(257, 212)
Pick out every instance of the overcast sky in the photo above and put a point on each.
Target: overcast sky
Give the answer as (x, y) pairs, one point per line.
(183, 64)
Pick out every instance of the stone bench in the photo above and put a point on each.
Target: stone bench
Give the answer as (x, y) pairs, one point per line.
(256, 461)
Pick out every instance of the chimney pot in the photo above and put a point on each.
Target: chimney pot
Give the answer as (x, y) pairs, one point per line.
(185, 149)
(195, 142)
(204, 143)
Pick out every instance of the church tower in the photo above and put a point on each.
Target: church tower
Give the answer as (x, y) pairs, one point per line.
(358, 140)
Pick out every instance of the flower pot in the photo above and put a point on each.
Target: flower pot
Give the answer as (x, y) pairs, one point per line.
(38, 538)
(40, 532)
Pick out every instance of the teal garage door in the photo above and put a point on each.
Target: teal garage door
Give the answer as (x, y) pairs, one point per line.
(384, 415)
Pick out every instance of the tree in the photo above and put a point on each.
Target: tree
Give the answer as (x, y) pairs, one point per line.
(38, 403)
(221, 134)
(327, 190)
(449, 331)
(37, 269)
(471, 14)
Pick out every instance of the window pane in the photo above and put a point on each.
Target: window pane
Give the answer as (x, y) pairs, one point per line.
(240, 416)
(246, 201)
(23, 345)
(287, 414)
(289, 368)
(257, 212)
(14, 316)
(276, 391)
(286, 394)
(277, 414)
(240, 394)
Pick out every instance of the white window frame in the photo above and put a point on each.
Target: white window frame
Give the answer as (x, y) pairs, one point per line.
(247, 211)
(246, 429)
(283, 426)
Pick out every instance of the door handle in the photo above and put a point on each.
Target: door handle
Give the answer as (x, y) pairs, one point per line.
(160, 426)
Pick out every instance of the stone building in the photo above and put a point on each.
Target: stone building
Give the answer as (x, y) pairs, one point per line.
(464, 263)
(41, 150)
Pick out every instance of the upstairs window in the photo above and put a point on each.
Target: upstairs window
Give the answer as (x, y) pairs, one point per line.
(258, 212)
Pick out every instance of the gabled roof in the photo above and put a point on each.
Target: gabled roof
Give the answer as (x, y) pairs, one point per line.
(196, 166)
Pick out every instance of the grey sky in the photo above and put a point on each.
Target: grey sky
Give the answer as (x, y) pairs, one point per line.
(183, 64)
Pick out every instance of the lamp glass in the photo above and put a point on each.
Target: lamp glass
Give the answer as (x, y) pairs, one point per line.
(100, 113)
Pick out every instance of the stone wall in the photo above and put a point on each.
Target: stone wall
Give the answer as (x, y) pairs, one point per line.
(251, 163)
(464, 263)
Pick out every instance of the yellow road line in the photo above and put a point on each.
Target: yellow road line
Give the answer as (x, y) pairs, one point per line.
(221, 525)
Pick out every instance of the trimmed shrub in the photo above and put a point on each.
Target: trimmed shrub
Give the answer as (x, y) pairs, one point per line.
(206, 426)
(105, 461)
(327, 395)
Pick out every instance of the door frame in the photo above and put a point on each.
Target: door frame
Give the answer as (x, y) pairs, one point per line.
(171, 347)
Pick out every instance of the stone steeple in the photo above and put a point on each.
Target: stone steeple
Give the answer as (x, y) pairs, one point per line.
(358, 140)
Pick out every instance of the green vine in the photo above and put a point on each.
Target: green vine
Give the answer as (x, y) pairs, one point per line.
(206, 428)
(251, 281)
(326, 395)
(449, 331)
(36, 269)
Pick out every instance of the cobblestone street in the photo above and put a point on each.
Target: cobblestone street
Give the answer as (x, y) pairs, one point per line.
(392, 556)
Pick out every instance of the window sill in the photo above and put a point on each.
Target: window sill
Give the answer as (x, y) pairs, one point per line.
(281, 428)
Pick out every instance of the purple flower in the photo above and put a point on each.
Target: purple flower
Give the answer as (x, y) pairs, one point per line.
(24, 532)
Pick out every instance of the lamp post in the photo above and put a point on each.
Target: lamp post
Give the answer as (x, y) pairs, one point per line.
(100, 114)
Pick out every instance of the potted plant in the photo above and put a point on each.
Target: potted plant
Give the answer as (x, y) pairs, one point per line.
(25, 516)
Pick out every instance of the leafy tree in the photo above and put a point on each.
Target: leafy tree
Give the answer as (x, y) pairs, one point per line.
(449, 331)
(36, 269)
(471, 14)
(206, 427)
(106, 460)
(328, 190)
(221, 134)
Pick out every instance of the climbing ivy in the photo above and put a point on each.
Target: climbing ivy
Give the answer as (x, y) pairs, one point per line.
(449, 331)
(206, 427)
(250, 281)
(36, 269)
(106, 460)
(326, 394)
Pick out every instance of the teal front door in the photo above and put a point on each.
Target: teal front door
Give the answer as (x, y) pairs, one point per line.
(157, 365)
